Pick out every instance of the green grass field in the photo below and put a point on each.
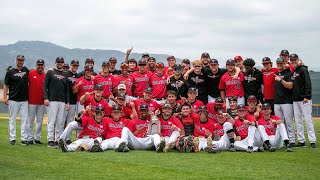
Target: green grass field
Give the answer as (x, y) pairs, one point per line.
(41, 162)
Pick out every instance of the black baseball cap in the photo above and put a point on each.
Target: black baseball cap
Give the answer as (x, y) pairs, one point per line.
(203, 108)
(74, 63)
(99, 108)
(59, 59)
(143, 107)
(105, 63)
(186, 61)
(148, 89)
(121, 96)
(98, 86)
(88, 67)
(230, 62)
(151, 58)
(40, 62)
(113, 59)
(20, 57)
(192, 89)
(293, 56)
(233, 98)
(116, 108)
(166, 105)
(177, 67)
(205, 54)
(145, 54)
(132, 60)
(284, 52)
(66, 65)
(280, 60)
(142, 62)
(266, 106)
(89, 60)
(213, 61)
(241, 107)
(219, 100)
(249, 62)
(266, 60)
(252, 98)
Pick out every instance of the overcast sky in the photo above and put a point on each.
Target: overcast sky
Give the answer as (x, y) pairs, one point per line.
(184, 28)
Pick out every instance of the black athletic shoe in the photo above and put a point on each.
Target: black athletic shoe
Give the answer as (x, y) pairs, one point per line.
(13, 142)
(272, 149)
(250, 149)
(181, 144)
(289, 148)
(189, 142)
(96, 147)
(68, 142)
(313, 145)
(126, 148)
(63, 146)
(51, 144)
(37, 142)
(266, 146)
(301, 144)
(232, 149)
(211, 149)
(121, 147)
(24, 143)
(30, 142)
(161, 146)
(261, 149)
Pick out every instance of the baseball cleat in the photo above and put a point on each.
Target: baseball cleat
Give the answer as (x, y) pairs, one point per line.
(250, 149)
(168, 147)
(266, 146)
(211, 149)
(13, 142)
(232, 149)
(209, 141)
(30, 142)
(261, 149)
(50, 144)
(196, 145)
(63, 146)
(68, 142)
(289, 148)
(313, 145)
(189, 143)
(126, 148)
(24, 143)
(161, 146)
(96, 147)
(37, 142)
(272, 149)
(181, 144)
(121, 147)
(301, 144)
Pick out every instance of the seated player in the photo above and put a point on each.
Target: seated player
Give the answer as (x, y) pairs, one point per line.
(192, 99)
(213, 108)
(93, 129)
(121, 89)
(272, 130)
(126, 112)
(147, 100)
(172, 100)
(233, 110)
(253, 108)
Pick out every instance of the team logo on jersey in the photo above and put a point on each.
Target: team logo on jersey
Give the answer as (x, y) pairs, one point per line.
(293, 77)
(35, 77)
(197, 80)
(213, 76)
(145, 75)
(58, 76)
(20, 74)
(151, 104)
(249, 78)
(267, 73)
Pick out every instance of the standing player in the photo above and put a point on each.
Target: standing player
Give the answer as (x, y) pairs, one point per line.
(151, 64)
(230, 86)
(283, 103)
(196, 80)
(177, 83)
(158, 82)
(16, 81)
(112, 67)
(205, 58)
(56, 97)
(140, 79)
(302, 103)
(36, 107)
(171, 63)
(124, 78)
(238, 62)
(88, 62)
(106, 80)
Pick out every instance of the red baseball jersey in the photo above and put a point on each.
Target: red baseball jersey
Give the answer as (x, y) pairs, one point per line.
(94, 103)
(167, 124)
(270, 128)
(152, 105)
(127, 81)
(201, 128)
(140, 82)
(159, 85)
(107, 82)
(91, 128)
(212, 114)
(87, 86)
(268, 83)
(35, 89)
(260, 113)
(233, 87)
(167, 71)
(136, 124)
(189, 119)
(195, 105)
(114, 128)
(241, 128)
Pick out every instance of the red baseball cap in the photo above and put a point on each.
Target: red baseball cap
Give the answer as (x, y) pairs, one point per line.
(238, 58)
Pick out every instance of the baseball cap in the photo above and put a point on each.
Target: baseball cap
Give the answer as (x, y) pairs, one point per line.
(203, 108)
(177, 67)
(145, 54)
(237, 58)
(151, 58)
(20, 57)
(121, 96)
(249, 62)
(74, 62)
(132, 60)
(89, 60)
(186, 61)
(232, 98)
(266, 60)
(66, 65)
(280, 60)
(60, 59)
(213, 61)
(284, 52)
(88, 67)
(293, 56)
(220, 112)
(105, 63)
(205, 54)
(148, 89)
(99, 108)
(219, 100)
(142, 62)
(98, 86)
(166, 105)
(266, 106)
(113, 59)
(170, 57)
(116, 108)
(40, 62)
(160, 64)
(252, 98)
(143, 107)
(192, 89)
(241, 107)
(230, 62)
(122, 86)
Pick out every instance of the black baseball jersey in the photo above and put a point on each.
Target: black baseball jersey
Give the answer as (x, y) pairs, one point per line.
(302, 87)
(282, 94)
(212, 81)
(56, 87)
(252, 84)
(115, 72)
(232, 113)
(71, 80)
(198, 81)
(180, 90)
(17, 82)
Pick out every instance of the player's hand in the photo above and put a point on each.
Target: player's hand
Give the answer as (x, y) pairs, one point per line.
(225, 115)
(129, 50)
(273, 121)
(111, 97)
(88, 108)
(183, 99)
(132, 105)
(246, 122)
(176, 114)
(157, 112)
(80, 83)
(87, 94)
(174, 128)
(256, 114)
(186, 76)
(6, 101)
(277, 78)
(67, 107)
(180, 83)
(46, 102)
(234, 77)
(305, 100)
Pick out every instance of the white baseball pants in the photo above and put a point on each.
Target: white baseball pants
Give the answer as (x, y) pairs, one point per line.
(224, 142)
(275, 140)
(55, 120)
(74, 125)
(14, 108)
(111, 143)
(35, 111)
(253, 136)
(285, 112)
(88, 141)
(79, 107)
(68, 117)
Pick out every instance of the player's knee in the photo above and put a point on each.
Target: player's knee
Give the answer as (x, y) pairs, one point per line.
(227, 126)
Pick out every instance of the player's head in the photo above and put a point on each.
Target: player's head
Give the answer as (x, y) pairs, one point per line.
(145, 56)
(20, 60)
(294, 59)
(99, 113)
(218, 104)
(66, 67)
(89, 62)
(213, 64)
(248, 65)
(220, 117)
(116, 113)
(142, 65)
(113, 62)
(124, 68)
(98, 90)
(171, 96)
(233, 102)
(197, 65)
(171, 61)
(252, 101)
(40, 65)
(205, 57)
(230, 65)
(74, 65)
(121, 98)
(185, 109)
(132, 63)
(177, 69)
(280, 64)
(284, 54)
(147, 93)
(238, 61)
(266, 109)
(160, 68)
(242, 112)
(185, 64)
(88, 71)
(105, 67)
(192, 94)
(122, 89)
(266, 62)
(144, 111)
(59, 63)
(151, 62)
(166, 109)
(203, 113)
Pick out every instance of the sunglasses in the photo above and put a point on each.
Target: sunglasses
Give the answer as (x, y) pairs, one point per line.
(142, 64)
(59, 61)
(196, 66)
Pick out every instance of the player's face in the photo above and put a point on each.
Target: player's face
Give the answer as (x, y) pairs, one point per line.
(98, 92)
(267, 66)
(171, 62)
(266, 111)
(105, 69)
(143, 113)
(113, 63)
(230, 67)
(294, 62)
(147, 95)
(20, 62)
(185, 110)
(177, 72)
(197, 68)
(90, 63)
(88, 73)
(116, 115)
(120, 101)
(192, 95)
(248, 69)
(242, 113)
(145, 58)
(166, 111)
(285, 57)
(280, 66)
(218, 106)
(221, 119)
(124, 70)
(171, 98)
(142, 67)
(99, 115)
(132, 65)
(233, 104)
(203, 116)
(122, 91)
(59, 64)
(238, 63)
(252, 103)
(74, 68)
(151, 63)
(160, 70)
(214, 67)
(40, 68)
(205, 60)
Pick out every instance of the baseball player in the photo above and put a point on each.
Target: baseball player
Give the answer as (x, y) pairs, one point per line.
(158, 82)
(152, 104)
(83, 84)
(88, 62)
(133, 66)
(205, 58)
(16, 81)
(213, 108)
(233, 110)
(172, 100)
(124, 78)
(185, 66)
(72, 77)
(126, 112)
(192, 99)
(112, 68)
(203, 130)
(272, 130)
(123, 91)
(140, 79)
(56, 98)
(171, 63)
(284, 54)
(94, 128)
(177, 83)
(238, 62)
(230, 86)
(253, 107)
(66, 67)
(283, 103)
(36, 107)
(151, 64)
(106, 80)
(302, 103)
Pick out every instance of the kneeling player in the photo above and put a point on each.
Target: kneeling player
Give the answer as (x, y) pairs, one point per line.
(272, 130)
